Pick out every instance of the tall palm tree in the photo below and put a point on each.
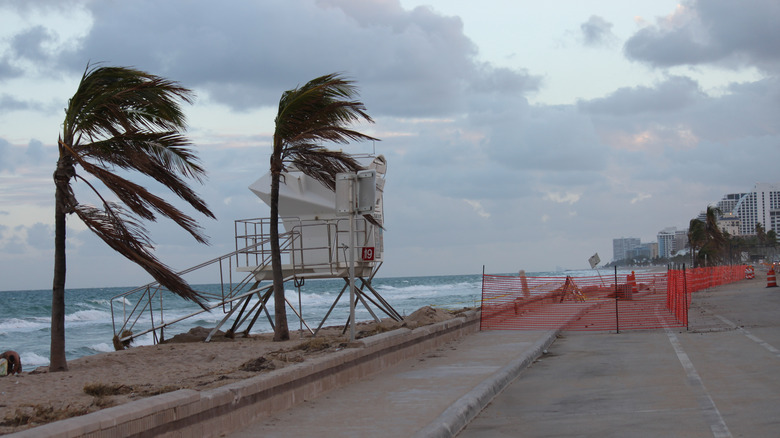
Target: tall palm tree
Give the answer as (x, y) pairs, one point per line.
(697, 238)
(716, 241)
(123, 119)
(320, 111)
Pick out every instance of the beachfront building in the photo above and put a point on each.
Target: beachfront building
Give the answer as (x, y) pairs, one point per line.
(671, 240)
(729, 223)
(761, 206)
(622, 247)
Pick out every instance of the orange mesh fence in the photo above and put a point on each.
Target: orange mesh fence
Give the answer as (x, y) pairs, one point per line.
(636, 301)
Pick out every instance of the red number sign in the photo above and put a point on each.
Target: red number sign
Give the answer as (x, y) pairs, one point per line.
(367, 253)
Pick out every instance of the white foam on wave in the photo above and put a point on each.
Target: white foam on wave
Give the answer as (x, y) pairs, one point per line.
(88, 315)
(430, 290)
(17, 324)
(102, 347)
(32, 360)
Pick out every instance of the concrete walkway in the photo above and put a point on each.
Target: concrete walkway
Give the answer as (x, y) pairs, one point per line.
(431, 395)
(720, 378)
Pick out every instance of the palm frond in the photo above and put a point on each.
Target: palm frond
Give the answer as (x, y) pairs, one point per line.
(320, 111)
(141, 202)
(125, 118)
(168, 149)
(322, 164)
(131, 157)
(113, 100)
(129, 238)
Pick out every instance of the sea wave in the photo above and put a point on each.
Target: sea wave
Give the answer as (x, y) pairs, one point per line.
(22, 324)
(102, 347)
(32, 360)
(88, 316)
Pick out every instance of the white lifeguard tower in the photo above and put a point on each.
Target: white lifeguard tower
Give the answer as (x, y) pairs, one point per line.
(315, 244)
(316, 240)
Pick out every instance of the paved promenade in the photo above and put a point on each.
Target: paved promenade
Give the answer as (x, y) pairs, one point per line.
(720, 378)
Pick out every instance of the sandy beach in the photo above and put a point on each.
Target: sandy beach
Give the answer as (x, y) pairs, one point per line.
(36, 397)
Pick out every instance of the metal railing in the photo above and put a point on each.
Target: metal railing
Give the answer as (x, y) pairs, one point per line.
(142, 310)
(326, 255)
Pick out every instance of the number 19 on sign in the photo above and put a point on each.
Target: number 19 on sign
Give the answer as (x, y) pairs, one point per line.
(367, 253)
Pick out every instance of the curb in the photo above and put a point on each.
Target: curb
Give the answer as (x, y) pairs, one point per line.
(225, 409)
(460, 413)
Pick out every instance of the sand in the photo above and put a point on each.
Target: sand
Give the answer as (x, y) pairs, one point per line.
(91, 383)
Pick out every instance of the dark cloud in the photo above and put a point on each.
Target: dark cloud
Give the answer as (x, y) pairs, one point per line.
(552, 139)
(29, 45)
(13, 157)
(7, 70)
(597, 31)
(10, 103)
(36, 153)
(40, 236)
(721, 32)
(408, 63)
(5, 150)
(674, 93)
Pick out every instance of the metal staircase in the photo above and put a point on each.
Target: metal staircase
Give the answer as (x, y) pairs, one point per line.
(306, 255)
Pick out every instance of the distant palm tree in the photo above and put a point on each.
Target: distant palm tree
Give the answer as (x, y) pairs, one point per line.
(320, 111)
(760, 233)
(123, 119)
(697, 238)
(707, 241)
(716, 241)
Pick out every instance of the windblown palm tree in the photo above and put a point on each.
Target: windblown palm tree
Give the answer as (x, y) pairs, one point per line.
(320, 111)
(716, 241)
(123, 119)
(697, 238)
(706, 237)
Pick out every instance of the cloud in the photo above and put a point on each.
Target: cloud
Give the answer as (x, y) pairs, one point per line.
(30, 44)
(466, 147)
(597, 32)
(10, 103)
(41, 236)
(674, 93)
(409, 62)
(641, 197)
(721, 32)
(562, 197)
(477, 206)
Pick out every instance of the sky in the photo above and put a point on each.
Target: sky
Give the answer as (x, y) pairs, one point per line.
(518, 134)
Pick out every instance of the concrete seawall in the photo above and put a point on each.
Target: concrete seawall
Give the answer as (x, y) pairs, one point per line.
(211, 413)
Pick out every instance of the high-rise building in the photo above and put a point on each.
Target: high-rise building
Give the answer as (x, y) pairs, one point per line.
(671, 240)
(761, 206)
(728, 223)
(622, 247)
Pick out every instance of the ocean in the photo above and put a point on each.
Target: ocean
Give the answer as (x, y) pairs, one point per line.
(25, 316)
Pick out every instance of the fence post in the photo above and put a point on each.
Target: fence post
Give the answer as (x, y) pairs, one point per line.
(482, 305)
(617, 313)
(685, 295)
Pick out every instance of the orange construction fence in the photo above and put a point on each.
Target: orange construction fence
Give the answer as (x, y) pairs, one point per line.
(629, 302)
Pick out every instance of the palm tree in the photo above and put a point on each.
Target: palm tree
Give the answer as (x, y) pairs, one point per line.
(320, 111)
(697, 238)
(123, 119)
(716, 241)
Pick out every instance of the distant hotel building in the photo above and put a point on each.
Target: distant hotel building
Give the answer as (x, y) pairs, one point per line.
(623, 246)
(761, 206)
(671, 240)
(627, 248)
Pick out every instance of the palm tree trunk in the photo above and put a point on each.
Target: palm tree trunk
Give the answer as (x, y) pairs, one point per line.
(281, 331)
(57, 360)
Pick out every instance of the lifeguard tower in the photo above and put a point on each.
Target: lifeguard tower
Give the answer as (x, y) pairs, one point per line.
(315, 244)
